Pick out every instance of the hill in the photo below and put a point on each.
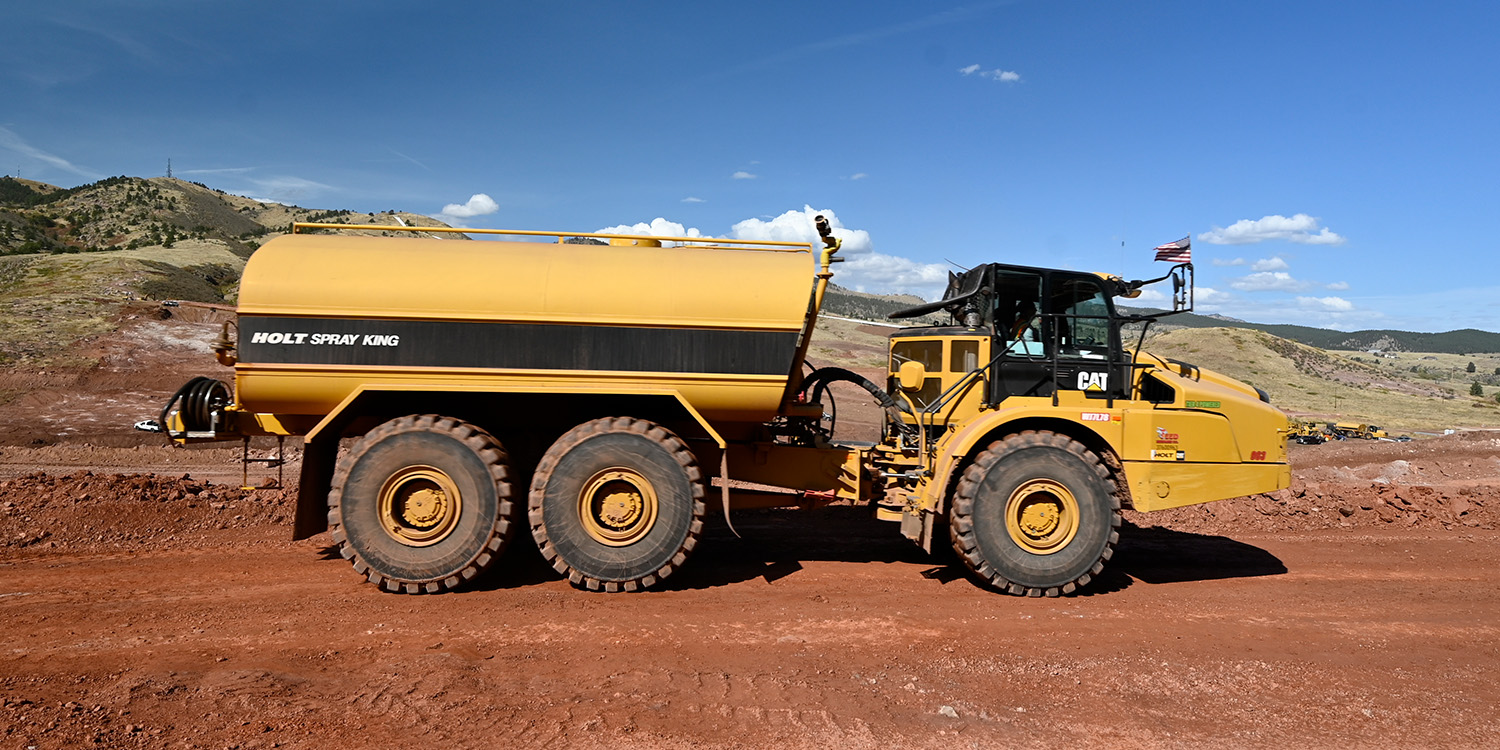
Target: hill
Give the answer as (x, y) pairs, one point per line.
(126, 213)
(74, 261)
(1463, 341)
(1319, 384)
(874, 307)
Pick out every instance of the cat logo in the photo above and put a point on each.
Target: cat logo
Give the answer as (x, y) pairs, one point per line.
(1093, 381)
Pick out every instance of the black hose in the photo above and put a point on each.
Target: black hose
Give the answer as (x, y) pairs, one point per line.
(822, 377)
(200, 397)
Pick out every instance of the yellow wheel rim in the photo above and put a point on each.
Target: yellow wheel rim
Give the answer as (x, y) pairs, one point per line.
(1041, 516)
(618, 507)
(419, 506)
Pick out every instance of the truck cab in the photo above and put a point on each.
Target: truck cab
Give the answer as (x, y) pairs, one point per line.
(1037, 360)
(1039, 331)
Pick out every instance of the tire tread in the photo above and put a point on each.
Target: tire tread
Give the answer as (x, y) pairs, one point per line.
(663, 437)
(961, 525)
(484, 445)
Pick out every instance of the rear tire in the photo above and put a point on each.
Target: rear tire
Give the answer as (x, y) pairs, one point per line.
(422, 504)
(1035, 514)
(617, 504)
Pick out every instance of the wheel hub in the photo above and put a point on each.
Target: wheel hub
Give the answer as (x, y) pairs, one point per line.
(1041, 516)
(1038, 519)
(419, 506)
(618, 507)
(424, 506)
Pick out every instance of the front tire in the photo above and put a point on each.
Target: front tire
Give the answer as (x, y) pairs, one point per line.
(1035, 514)
(617, 504)
(422, 504)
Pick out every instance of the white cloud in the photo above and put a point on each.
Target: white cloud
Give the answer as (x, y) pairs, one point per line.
(287, 190)
(1210, 295)
(1235, 262)
(1280, 281)
(825, 45)
(1147, 297)
(797, 226)
(659, 227)
(1208, 300)
(864, 269)
(479, 205)
(885, 274)
(223, 170)
(742, 175)
(1006, 76)
(1300, 228)
(1337, 286)
(1325, 304)
(691, 199)
(858, 176)
(12, 142)
(408, 158)
(1274, 263)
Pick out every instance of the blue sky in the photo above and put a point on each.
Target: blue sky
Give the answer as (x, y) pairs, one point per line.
(1334, 163)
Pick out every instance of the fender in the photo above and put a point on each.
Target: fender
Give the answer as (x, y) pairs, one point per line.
(1074, 415)
(320, 444)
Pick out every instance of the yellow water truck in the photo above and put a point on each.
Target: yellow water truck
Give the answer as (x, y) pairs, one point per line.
(593, 388)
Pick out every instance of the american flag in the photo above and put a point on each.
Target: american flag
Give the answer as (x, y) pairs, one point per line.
(1180, 251)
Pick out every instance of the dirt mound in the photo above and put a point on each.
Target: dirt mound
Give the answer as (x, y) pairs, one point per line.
(1445, 482)
(1471, 454)
(87, 510)
(1308, 506)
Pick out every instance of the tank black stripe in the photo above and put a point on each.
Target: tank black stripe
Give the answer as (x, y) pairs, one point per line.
(529, 346)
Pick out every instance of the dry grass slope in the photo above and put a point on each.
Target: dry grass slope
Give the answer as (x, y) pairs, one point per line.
(49, 303)
(1325, 385)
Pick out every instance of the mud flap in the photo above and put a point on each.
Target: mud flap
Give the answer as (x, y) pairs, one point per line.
(918, 528)
(319, 455)
(724, 489)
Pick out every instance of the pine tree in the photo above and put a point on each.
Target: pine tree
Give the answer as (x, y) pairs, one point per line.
(1476, 390)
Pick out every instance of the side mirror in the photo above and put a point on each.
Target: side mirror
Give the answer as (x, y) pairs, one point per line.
(912, 375)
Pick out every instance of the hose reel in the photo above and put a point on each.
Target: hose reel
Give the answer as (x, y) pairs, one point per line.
(201, 399)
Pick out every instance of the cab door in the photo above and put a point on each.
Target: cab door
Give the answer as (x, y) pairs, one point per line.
(1082, 335)
(1023, 366)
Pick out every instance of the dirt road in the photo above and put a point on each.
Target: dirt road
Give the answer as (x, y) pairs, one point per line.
(145, 609)
(818, 629)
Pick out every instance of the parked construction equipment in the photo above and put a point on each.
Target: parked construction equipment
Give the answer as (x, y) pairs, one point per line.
(1308, 433)
(601, 396)
(1362, 431)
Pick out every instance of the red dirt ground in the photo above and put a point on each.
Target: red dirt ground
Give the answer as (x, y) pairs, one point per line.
(145, 608)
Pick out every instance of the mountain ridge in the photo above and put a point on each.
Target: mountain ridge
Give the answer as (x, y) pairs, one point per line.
(134, 212)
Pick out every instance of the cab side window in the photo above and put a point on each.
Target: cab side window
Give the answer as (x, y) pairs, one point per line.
(1080, 315)
(1018, 320)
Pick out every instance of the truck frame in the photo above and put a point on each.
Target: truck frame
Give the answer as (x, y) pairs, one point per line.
(602, 395)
